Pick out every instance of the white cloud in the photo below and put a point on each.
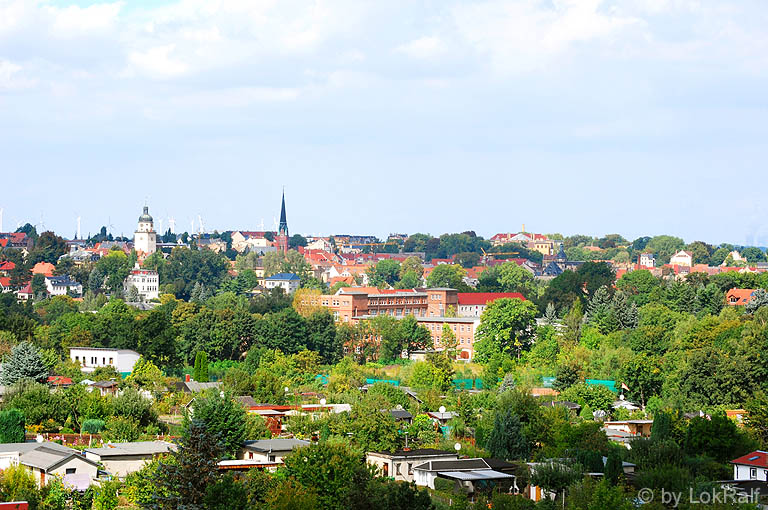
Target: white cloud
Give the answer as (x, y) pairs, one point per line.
(10, 78)
(423, 47)
(74, 21)
(527, 34)
(156, 62)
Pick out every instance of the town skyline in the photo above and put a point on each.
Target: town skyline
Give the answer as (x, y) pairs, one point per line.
(578, 117)
(192, 226)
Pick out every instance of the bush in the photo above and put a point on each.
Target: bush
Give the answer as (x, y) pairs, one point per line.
(18, 484)
(120, 429)
(12, 426)
(93, 426)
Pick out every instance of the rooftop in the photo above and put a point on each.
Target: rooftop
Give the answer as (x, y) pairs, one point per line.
(274, 445)
(136, 448)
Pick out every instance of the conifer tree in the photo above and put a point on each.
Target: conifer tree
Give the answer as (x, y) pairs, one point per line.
(24, 363)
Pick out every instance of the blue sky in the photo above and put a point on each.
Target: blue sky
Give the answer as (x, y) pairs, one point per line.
(640, 117)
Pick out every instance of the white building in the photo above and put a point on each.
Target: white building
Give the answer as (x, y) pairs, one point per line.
(91, 358)
(289, 282)
(270, 450)
(50, 459)
(752, 466)
(647, 260)
(145, 237)
(682, 258)
(62, 285)
(399, 465)
(122, 459)
(147, 283)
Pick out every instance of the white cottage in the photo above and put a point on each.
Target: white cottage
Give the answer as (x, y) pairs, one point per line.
(91, 358)
(50, 459)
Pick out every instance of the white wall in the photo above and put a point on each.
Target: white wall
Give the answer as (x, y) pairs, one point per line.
(742, 472)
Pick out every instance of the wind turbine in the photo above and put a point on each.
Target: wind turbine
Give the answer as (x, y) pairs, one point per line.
(160, 225)
(42, 223)
(172, 224)
(79, 236)
(202, 227)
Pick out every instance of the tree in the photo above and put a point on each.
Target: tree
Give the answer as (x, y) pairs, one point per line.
(289, 262)
(183, 480)
(595, 275)
(643, 376)
(514, 278)
(323, 338)
(200, 373)
(334, 471)
(594, 395)
(614, 469)
(12, 426)
(446, 275)
(413, 336)
(145, 374)
(222, 416)
(24, 363)
(757, 417)
(759, 298)
(385, 272)
(555, 477)
(664, 247)
(550, 314)
(48, 248)
(505, 325)
(753, 254)
(507, 439)
(413, 265)
(296, 240)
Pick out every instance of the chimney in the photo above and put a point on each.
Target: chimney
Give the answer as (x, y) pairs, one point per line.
(186, 378)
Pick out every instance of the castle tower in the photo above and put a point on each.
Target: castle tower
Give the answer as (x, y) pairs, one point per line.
(282, 229)
(145, 237)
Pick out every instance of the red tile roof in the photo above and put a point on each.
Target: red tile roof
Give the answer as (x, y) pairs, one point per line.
(5, 281)
(44, 268)
(59, 380)
(757, 458)
(3, 243)
(483, 298)
(7, 265)
(739, 296)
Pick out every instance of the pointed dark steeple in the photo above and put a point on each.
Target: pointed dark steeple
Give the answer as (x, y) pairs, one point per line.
(561, 256)
(283, 228)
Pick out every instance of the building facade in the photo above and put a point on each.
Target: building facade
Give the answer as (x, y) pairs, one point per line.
(62, 285)
(147, 283)
(289, 282)
(91, 358)
(145, 237)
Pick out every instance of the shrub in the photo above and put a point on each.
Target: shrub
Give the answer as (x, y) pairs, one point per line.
(11, 426)
(121, 429)
(93, 426)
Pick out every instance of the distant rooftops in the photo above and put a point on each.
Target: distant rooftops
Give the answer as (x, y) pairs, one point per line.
(283, 277)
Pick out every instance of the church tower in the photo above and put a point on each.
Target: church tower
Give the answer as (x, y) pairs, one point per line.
(145, 237)
(282, 229)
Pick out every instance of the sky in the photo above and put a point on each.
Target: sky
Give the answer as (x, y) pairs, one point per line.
(641, 117)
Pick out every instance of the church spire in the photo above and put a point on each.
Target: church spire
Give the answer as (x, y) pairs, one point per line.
(283, 228)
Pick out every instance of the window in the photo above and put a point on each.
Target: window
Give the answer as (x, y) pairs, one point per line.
(410, 468)
(250, 455)
(111, 361)
(753, 473)
(71, 471)
(77, 359)
(397, 468)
